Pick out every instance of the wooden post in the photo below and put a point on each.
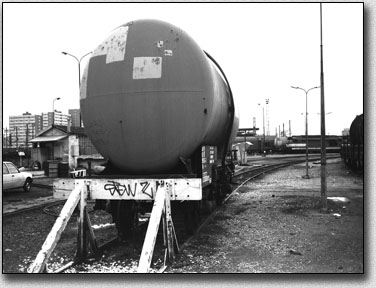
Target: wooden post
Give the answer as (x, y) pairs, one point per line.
(168, 220)
(165, 245)
(162, 207)
(169, 236)
(89, 228)
(81, 232)
(82, 225)
(151, 233)
(53, 237)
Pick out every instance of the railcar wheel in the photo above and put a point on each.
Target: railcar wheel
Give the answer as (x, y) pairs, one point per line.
(125, 216)
(191, 216)
(222, 190)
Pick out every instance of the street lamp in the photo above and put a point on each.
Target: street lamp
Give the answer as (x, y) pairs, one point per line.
(306, 125)
(53, 110)
(79, 70)
(79, 65)
(263, 128)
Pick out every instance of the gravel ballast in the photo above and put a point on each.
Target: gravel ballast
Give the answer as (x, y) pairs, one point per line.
(274, 225)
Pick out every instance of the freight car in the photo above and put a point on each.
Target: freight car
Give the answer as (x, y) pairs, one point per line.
(154, 103)
(297, 144)
(352, 149)
(291, 145)
(258, 144)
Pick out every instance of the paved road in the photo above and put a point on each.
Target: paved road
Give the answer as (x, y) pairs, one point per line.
(40, 193)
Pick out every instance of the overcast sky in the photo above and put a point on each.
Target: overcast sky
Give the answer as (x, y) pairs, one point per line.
(264, 49)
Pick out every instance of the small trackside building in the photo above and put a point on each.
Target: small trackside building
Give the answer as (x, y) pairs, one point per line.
(68, 146)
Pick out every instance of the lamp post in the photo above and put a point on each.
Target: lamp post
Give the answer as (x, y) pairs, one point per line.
(79, 65)
(79, 69)
(53, 110)
(263, 129)
(306, 125)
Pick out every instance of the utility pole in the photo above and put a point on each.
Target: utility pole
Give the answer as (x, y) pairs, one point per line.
(6, 138)
(263, 127)
(27, 135)
(267, 116)
(32, 130)
(324, 203)
(16, 137)
(254, 126)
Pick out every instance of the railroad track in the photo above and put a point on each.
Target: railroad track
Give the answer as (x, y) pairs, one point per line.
(241, 178)
(111, 246)
(249, 173)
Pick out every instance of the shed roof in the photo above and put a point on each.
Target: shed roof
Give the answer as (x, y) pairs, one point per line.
(47, 138)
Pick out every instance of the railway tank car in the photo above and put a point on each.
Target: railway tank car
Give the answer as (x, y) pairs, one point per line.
(153, 102)
(150, 96)
(352, 148)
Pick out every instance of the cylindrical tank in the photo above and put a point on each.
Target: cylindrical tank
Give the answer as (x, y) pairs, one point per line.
(357, 130)
(280, 142)
(150, 95)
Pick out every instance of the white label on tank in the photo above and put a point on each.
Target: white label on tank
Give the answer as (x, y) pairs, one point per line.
(114, 45)
(147, 67)
(160, 44)
(167, 52)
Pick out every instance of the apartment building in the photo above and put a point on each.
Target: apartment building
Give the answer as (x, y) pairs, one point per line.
(56, 118)
(22, 128)
(75, 116)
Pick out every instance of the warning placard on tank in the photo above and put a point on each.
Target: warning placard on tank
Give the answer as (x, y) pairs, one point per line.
(114, 46)
(147, 67)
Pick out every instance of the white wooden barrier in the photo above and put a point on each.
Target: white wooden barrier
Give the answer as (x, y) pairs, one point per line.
(131, 189)
(161, 191)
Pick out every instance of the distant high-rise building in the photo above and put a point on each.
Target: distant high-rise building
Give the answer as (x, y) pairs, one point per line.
(75, 116)
(56, 118)
(38, 124)
(23, 128)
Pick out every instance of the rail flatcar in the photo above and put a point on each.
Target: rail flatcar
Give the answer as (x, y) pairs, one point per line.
(352, 149)
(154, 103)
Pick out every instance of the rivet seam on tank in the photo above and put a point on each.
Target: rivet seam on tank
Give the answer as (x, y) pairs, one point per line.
(147, 67)
(114, 46)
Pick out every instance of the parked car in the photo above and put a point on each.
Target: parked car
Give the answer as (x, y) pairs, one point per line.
(14, 178)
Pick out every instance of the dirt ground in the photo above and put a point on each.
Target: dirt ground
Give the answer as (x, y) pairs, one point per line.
(274, 225)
